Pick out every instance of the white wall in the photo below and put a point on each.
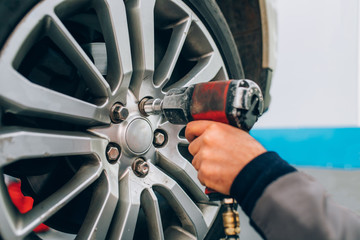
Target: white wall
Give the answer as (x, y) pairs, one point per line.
(316, 80)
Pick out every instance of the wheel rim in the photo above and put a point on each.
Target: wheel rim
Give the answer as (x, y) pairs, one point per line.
(149, 47)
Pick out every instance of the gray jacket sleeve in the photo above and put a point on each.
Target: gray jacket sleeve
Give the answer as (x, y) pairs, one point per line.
(287, 204)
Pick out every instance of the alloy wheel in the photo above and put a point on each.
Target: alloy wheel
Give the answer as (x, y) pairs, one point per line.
(64, 68)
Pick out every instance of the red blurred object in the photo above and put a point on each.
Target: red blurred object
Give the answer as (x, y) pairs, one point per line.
(209, 191)
(23, 203)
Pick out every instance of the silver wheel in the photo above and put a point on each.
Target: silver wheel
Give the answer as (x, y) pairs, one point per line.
(58, 90)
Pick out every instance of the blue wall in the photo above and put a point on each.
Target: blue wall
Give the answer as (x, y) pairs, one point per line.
(319, 147)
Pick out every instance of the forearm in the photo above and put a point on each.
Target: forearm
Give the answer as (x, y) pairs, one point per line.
(285, 204)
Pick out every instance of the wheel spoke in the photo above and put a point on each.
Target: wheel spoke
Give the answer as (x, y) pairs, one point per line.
(210, 210)
(141, 24)
(8, 213)
(126, 214)
(26, 98)
(183, 141)
(63, 38)
(101, 209)
(18, 144)
(167, 64)
(189, 214)
(41, 212)
(173, 162)
(205, 70)
(112, 17)
(183, 171)
(176, 232)
(151, 208)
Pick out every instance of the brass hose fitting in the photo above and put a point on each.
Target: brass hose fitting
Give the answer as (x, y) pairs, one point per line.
(231, 220)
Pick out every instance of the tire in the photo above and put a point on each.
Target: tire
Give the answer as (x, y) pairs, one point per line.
(66, 66)
(245, 19)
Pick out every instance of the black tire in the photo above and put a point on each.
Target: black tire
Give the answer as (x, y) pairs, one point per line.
(211, 15)
(12, 11)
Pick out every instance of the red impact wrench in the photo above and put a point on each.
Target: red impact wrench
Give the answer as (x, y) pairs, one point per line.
(236, 102)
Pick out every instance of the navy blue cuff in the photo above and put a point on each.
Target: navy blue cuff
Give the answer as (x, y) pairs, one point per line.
(252, 180)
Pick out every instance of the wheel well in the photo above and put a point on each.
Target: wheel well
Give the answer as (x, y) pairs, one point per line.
(244, 20)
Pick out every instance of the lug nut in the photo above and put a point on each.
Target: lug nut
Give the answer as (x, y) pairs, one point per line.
(140, 167)
(159, 138)
(112, 153)
(118, 113)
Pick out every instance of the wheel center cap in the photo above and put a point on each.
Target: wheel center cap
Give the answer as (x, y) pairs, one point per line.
(139, 135)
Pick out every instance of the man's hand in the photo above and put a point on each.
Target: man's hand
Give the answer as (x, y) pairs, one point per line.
(220, 152)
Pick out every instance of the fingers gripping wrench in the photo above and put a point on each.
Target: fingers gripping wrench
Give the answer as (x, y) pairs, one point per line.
(236, 102)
